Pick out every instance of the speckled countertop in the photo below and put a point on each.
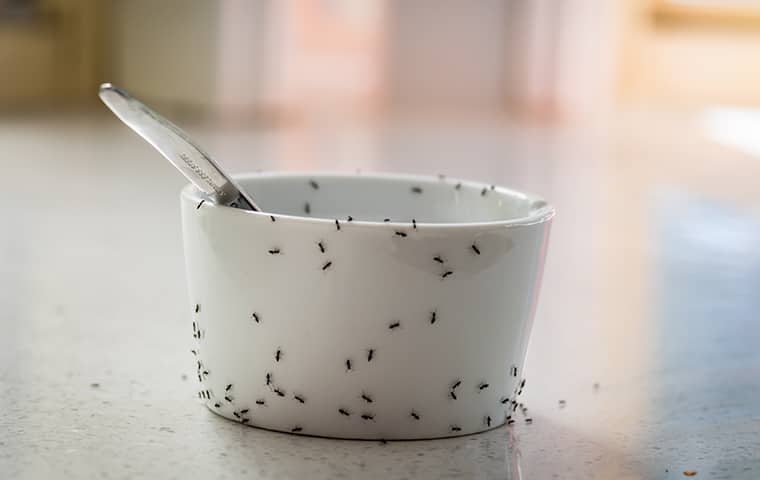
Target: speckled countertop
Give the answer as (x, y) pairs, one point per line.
(650, 291)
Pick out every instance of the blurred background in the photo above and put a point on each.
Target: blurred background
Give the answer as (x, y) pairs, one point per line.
(638, 119)
(291, 58)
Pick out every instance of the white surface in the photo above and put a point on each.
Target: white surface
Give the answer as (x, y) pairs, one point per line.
(92, 290)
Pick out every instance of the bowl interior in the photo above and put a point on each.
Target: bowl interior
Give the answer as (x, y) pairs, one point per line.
(400, 198)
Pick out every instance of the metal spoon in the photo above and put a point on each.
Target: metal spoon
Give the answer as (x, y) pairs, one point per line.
(176, 146)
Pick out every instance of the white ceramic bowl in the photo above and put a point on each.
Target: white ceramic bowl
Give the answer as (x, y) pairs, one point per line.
(416, 327)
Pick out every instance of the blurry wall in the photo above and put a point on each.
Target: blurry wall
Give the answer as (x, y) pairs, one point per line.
(448, 54)
(164, 50)
(561, 58)
(237, 57)
(327, 54)
(690, 52)
(539, 58)
(568, 60)
(50, 51)
(245, 64)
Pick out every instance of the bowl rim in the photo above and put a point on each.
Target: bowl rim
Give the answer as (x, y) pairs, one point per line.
(542, 214)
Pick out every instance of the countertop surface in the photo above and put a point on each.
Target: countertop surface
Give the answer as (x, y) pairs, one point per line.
(645, 355)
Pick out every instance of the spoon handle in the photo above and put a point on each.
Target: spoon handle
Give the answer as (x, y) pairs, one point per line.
(175, 145)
